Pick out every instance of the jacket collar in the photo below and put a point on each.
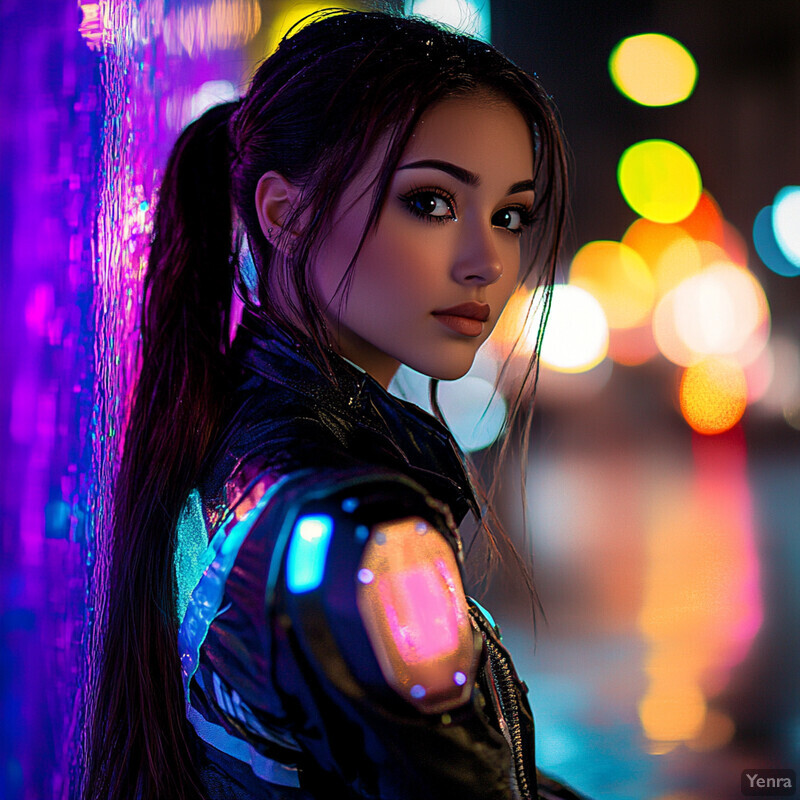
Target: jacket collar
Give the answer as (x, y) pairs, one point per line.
(357, 406)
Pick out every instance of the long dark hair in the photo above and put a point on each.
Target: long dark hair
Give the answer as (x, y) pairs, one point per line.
(315, 109)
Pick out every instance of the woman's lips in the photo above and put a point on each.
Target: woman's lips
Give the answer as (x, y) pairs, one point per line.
(465, 318)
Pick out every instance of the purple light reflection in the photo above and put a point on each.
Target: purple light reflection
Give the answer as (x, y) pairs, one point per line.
(80, 162)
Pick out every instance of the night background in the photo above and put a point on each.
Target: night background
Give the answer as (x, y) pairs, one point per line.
(663, 485)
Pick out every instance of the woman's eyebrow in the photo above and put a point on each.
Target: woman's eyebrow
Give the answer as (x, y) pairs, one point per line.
(459, 173)
(521, 186)
(463, 175)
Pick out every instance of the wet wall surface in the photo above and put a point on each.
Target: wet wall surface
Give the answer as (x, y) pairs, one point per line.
(665, 560)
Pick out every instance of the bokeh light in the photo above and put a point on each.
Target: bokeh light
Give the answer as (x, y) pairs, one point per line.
(734, 245)
(713, 395)
(783, 391)
(289, 13)
(666, 336)
(653, 69)
(517, 328)
(211, 93)
(718, 729)
(706, 221)
(618, 277)
(719, 310)
(759, 374)
(576, 336)
(701, 604)
(472, 17)
(668, 250)
(786, 222)
(659, 180)
(792, 415)
(674, 711)
(767, 247)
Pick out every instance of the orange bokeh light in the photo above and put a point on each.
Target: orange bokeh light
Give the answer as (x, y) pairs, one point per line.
(706, 221)
(713, 395)
(619, 278)
(515, 329)
(668, 250)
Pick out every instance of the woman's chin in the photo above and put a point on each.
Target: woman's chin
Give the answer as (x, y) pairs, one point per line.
(446, 371)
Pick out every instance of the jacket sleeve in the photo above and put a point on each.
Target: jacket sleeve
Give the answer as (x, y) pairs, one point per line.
(305, 689)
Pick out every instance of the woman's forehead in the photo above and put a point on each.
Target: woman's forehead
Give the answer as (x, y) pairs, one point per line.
(481, 132)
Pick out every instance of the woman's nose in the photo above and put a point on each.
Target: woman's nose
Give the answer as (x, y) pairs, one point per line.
(478, 259)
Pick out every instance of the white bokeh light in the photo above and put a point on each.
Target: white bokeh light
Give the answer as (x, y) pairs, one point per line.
(576, 334)
(720, 310)
(786, 222)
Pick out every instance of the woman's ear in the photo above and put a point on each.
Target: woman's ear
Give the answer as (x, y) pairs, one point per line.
(276, 198)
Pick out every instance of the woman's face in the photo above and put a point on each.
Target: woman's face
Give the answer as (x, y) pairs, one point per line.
(435, 273)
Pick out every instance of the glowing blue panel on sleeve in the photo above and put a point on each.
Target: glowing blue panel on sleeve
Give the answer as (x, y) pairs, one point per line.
(308, 549)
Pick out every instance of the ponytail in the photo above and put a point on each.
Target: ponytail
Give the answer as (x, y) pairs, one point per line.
(139, 745)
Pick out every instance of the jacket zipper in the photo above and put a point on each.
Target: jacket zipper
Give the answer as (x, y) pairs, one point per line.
(504, 680)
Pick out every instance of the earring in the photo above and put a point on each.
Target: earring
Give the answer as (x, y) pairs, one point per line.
(269, 234)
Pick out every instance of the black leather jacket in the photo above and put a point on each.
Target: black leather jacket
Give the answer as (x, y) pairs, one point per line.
(282, 686)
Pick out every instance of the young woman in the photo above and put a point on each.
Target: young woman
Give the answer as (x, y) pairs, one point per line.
(288, 617)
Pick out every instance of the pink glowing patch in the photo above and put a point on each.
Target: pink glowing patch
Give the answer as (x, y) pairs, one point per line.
(420, 613)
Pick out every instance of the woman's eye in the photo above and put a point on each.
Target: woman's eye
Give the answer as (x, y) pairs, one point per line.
(512, 219)
(430, 205)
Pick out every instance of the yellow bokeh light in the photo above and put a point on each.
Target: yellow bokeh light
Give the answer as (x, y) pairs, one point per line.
(713, 395)
(679, 262)
(653, 70)
(289, 13)
(619, 278)
(710, 253)
(659, 180)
